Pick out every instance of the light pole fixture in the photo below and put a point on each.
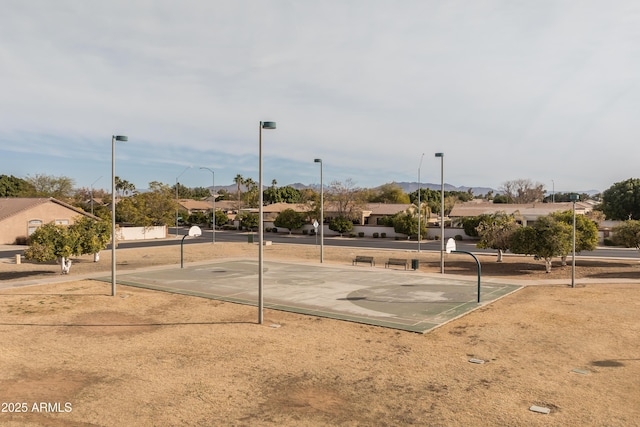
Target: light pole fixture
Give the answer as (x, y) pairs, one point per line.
(91, 193)
(263, 125)
(114, 138)
(213, 197)
(419, 206)
(178, 200)
(441, 155)
(574, 198)
(321, 212)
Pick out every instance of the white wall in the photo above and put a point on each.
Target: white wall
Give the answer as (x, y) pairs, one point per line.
(141, 233)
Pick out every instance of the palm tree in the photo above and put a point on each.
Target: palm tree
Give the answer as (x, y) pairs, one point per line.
(239, 180)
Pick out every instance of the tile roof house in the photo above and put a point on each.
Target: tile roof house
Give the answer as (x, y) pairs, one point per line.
(19, 217)
(526, 213)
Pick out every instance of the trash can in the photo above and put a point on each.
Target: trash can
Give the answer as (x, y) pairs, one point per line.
(250, 237)
(415, 264)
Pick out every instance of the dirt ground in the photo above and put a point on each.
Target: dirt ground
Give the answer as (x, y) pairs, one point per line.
(72, 355)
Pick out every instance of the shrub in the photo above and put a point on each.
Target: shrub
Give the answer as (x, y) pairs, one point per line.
(436, 237)
(274, 229)
(609, 242)
(305, 231)
(267, 229)
(457, 237)
(383, 235)
(375, 235)
(361, 234)
(352, 234)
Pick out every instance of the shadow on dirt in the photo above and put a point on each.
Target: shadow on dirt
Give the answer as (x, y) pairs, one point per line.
(16, 275)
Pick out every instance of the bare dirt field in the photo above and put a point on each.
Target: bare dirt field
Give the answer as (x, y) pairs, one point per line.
(72, 355)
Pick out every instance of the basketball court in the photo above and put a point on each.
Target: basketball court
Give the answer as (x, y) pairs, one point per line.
(394, 298)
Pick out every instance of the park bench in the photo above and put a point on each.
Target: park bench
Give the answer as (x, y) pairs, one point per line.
(360, 258)
(396, 261)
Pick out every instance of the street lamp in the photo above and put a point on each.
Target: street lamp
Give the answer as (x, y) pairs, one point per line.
(178, 200)
(321, 212)
(91, 193)
(419, 207)
(441, 155)
(263, 125)
(213, 196)
(114, 138)
(574, 198)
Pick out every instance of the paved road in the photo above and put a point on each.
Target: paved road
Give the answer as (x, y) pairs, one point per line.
(367, 242)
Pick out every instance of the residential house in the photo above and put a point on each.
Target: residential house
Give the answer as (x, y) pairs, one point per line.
(20, 217)
(526, 214)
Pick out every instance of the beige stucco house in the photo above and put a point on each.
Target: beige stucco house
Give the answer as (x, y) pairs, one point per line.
(527, 214)
(19, 217)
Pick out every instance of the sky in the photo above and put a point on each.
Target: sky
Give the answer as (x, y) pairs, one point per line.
(541, 90)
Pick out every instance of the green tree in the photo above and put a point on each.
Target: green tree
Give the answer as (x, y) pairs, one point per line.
(221, 218)
(545, 239)
(249, 220)
(627, 233)
(124, 187)
(10, 186)
(407, 223)
(154, 207)
(198, 218)
(290, 220)
(95, 235)
(621, 201)
(389, 193)
(470, 224)
(340, 225)
(286, 194)
(586, 232)
(495, 231)
(58, 242)
(239, 180)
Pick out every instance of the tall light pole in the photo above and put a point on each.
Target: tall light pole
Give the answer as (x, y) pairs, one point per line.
(574, 198)
(213, 196)
(321, 212)
(419, 206)
(178, 200)
(441, 155)
(91, 193)
(114, 138)
(263, 125)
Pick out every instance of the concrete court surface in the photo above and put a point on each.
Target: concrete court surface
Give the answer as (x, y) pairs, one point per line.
(393, 298)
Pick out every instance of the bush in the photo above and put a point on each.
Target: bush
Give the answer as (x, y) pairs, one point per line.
(383, 235)
(609, 242)
(352, 234)
(361, 234)
(274, 229)
(457, 237)
(305, 231)
(375, 235)
(267, 229)
(436, 237)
